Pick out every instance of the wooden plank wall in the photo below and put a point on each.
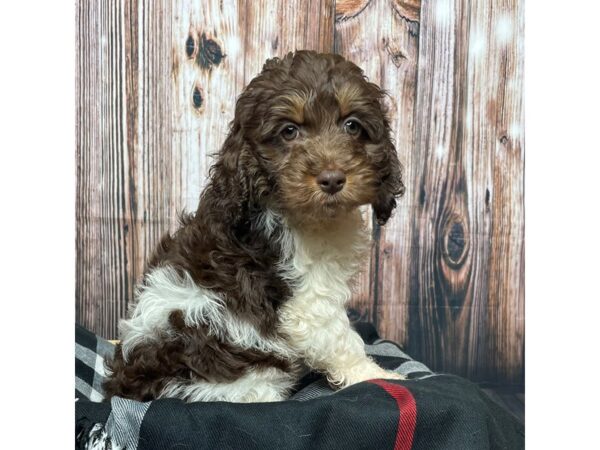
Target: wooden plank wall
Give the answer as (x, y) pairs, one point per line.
(156, 85)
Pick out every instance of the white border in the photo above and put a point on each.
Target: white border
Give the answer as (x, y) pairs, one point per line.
(37, 188)
(562, 175)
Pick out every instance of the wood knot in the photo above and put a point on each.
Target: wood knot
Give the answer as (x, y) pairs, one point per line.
(396, 53)
(455, 242)
(190, 46)
(422, 195)
(408, 9)
(197, 97)
(348, 9)
(504, 140)
(209, 53)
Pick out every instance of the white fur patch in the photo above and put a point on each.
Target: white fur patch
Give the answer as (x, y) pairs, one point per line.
(164, 291)
(243, 334)
(261, 385)
(320, 268)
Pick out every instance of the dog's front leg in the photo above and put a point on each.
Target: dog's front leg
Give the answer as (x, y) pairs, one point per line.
(320, 332)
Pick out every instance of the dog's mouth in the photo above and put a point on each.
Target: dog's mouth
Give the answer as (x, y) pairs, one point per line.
(336, 201)
(333, 204)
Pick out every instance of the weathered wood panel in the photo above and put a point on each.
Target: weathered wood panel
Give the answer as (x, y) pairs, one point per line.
(502, 101)
(156, 87)
(466, 280)
(102, 274)
(124, 193)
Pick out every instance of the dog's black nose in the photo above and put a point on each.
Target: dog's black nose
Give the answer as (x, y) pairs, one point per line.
(331, 181)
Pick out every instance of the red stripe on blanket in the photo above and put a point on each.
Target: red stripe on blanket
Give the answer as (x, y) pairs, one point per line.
(407, 418)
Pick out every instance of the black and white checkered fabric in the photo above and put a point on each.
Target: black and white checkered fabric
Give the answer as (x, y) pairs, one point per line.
(90, 352)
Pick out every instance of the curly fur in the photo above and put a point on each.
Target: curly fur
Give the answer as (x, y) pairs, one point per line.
(253, 284)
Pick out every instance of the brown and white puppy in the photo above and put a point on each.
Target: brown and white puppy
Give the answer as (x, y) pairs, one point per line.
(254, 283)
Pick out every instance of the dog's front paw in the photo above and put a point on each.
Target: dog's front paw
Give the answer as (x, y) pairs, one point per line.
(379, 373)
(367, 371)
(389, 375)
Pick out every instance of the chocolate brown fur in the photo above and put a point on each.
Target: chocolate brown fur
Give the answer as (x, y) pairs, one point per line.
(222, 245)
(190, 353)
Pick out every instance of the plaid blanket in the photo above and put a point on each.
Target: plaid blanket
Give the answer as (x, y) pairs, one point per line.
(427, 411)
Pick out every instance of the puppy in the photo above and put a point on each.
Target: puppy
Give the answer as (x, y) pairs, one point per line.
(253, 284)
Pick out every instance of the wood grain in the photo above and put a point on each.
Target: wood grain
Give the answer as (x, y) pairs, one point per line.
(275, 28)
(101, 274)
(123, 152)
(408, 9)
(466, 280)
(156, 87)
(506, 125)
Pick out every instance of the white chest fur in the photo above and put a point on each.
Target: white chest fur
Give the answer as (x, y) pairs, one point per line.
(321, 263)
(314, 320)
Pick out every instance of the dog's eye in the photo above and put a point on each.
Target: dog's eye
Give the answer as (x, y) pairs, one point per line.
(289, 132)
(352, 127)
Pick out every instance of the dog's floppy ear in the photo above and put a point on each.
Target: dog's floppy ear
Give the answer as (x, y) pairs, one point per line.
(391, 185)
(237, 180)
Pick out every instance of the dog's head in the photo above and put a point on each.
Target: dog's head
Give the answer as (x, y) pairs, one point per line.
(310, 133)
